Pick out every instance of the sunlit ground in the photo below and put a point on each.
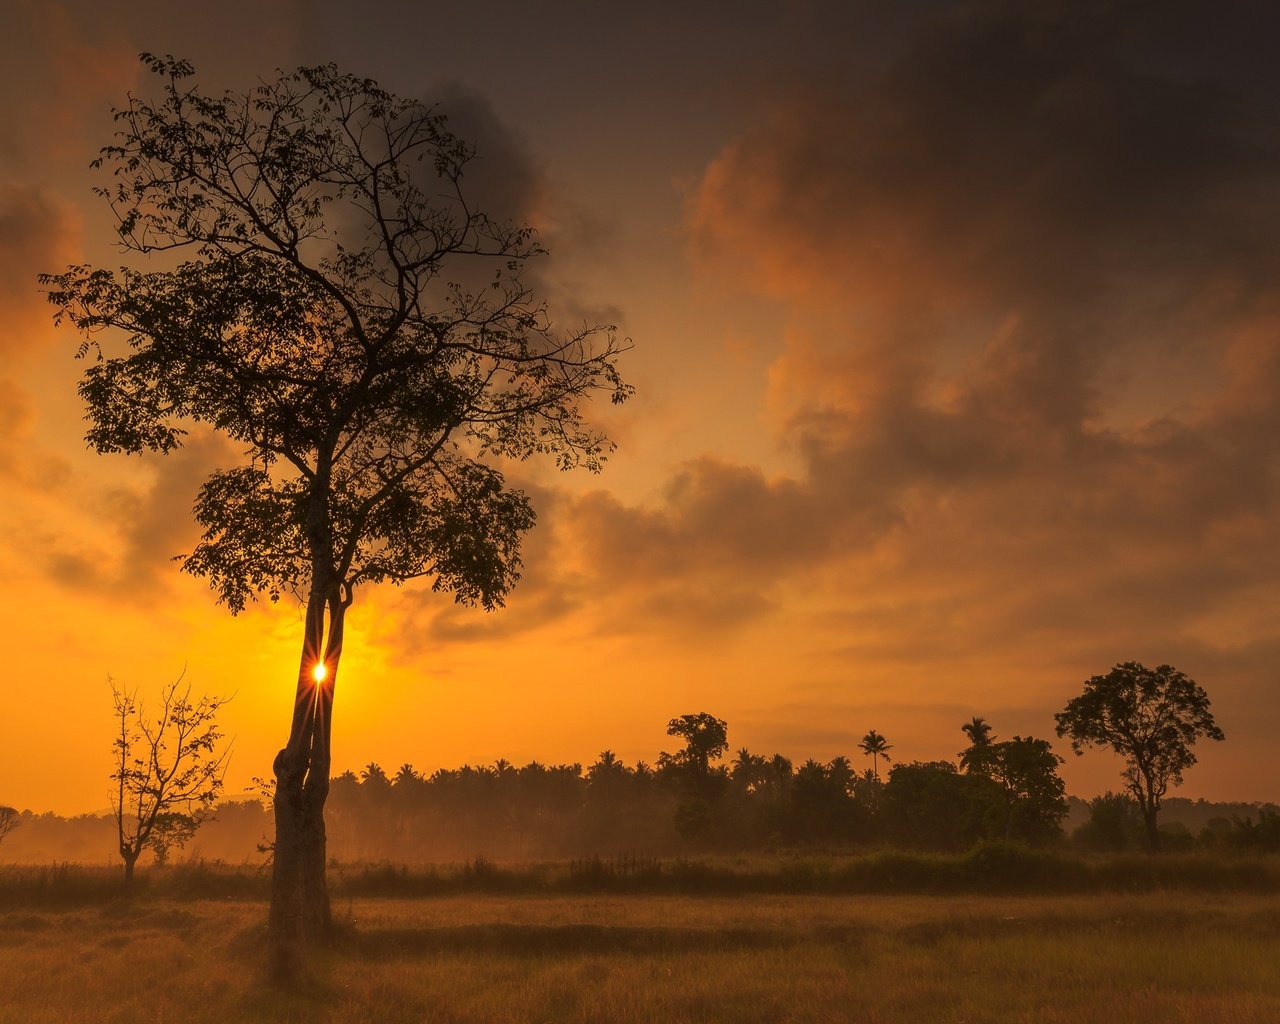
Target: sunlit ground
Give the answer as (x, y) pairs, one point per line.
(1165, 957)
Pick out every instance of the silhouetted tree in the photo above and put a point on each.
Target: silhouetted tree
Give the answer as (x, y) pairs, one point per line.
(9, 820)
(313, 323)
(821, 800)
(1151, 718)
(748, 771)
(974, 757)
(780, 775)
(606, 793)
(373, 779)
(705, 738)
(1035, 799)
(875, 747)
(932, 806)
(607, 769)
(841, 773)
(167, 768)
(1115, 824)
(172, 831)
(406, 776)
(1256, 835)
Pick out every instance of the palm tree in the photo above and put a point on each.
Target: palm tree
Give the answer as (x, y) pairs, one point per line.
(974, 758)
(841, 772)
(405, 776)
(607, 767)
(978, 731)
(747, 770)
(875, 747)
(373, 776)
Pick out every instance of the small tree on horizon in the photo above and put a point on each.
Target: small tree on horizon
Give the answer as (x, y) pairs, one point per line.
(9, 820)
(168, 770)
(172, 831)
(706, 738)
(1151, 718)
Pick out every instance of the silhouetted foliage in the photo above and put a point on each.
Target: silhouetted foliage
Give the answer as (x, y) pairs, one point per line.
(824, 807)
(172, 831)
(1115, 824)
(931, 806)
(973, 759)
(1034, 795)
(706, 738)
(347, 316)
(1256, 835)
(1151, 718)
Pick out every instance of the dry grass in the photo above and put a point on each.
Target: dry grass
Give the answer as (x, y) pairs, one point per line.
(1151, 957)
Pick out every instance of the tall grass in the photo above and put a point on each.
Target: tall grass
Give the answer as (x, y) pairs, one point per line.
(988, 868)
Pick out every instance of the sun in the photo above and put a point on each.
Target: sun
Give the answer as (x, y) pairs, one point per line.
(319, 672)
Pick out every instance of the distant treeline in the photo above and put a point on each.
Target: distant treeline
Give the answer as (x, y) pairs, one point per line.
(687, 803)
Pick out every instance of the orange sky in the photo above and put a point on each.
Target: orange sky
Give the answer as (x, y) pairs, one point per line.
(958, 382)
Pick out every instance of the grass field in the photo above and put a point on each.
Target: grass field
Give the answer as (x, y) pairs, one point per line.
(1167, 957)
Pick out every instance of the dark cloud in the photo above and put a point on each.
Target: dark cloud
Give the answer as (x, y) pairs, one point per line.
(1032, 382)
(503, 179)
(507, 181)
(37, 234)
(147, 527)
(1029, 201)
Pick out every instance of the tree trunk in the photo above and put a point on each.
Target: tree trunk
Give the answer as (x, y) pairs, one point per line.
(130, 859)
(1153, 829)
(300, 914)
(1148, 795)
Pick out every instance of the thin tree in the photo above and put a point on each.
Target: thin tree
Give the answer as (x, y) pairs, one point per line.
(9, 820)
(875, 747)
(170, 763)
(1151, 718)
(322, 319)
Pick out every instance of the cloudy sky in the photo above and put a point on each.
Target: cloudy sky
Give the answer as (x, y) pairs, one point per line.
(957, 350)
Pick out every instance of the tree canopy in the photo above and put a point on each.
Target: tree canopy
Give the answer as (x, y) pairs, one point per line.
(311, 322)
(706, 739)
